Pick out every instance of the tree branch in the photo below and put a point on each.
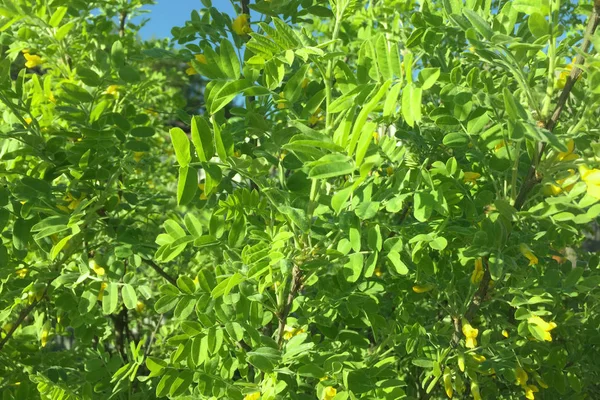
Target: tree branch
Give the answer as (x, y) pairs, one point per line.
(160, 271)
(22, 315)
(533, 177)
(122, 20)
(296, 284)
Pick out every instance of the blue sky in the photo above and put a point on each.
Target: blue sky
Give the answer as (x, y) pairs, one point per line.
(166, 14)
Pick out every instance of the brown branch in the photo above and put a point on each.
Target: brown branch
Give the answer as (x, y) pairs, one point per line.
(533, 176)
(245, 8)
(122, 19)
(160, 271)
(283, 315)
(22, 315)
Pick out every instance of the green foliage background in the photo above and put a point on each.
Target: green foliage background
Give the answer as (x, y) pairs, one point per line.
(345, 200)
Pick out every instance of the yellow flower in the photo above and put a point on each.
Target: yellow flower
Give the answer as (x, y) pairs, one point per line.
(32, 60)
(389, 171)
(522, 376)
(21, 273)
(315, 118)
(568, 155)
(237, 153)
(252, 396)
(471, 177)
(202, 193)
(505, 333)
(530, 390)
(190, 70)
(329, 393)
(290, 332)
(241, 25)
(45, 333)
(556, 189)
(375, 137)
(201, 58)
(96, 268)
(470, 335)
(139, 306)
(28, 120)
(137, 155)
(378, 272)
(591, 177)
(477, 274)
(112, 89)
(422, 288)
(545, 326)
(103, 286)
(51, 97)
(73, 202)
(562, 78)
(526, 251)
(499, 145)
(448, 384)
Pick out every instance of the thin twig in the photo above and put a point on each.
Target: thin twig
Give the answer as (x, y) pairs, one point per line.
(147, 351)
(475, 302)
(296, 284)
(160, 271)
(22, 315)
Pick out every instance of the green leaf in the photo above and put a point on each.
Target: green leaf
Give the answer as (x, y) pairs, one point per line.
(383, 57)
(226, 285)
(330, 166)
(391, 100)
(479, 23)
(438, 243)
(129, 74)
(181, 145)
(110, 300)
(297, 216)
(142, 131)
(202, 138)
(375, 240)
(428, 77)
(399, 266)
(363, 115)
(165, 304)
(165, 383)
(538, 26)
(129, 296)
(353, 268)
(339, 198)
(117, 54)
(223, 142)
(187, 185)
(423, 206)
(456, 140)
(366, 137)
(57, 16)
(367, 209)
(228, 60)
(186, 284)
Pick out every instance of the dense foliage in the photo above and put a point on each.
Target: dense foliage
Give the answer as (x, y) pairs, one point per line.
(376, 199)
